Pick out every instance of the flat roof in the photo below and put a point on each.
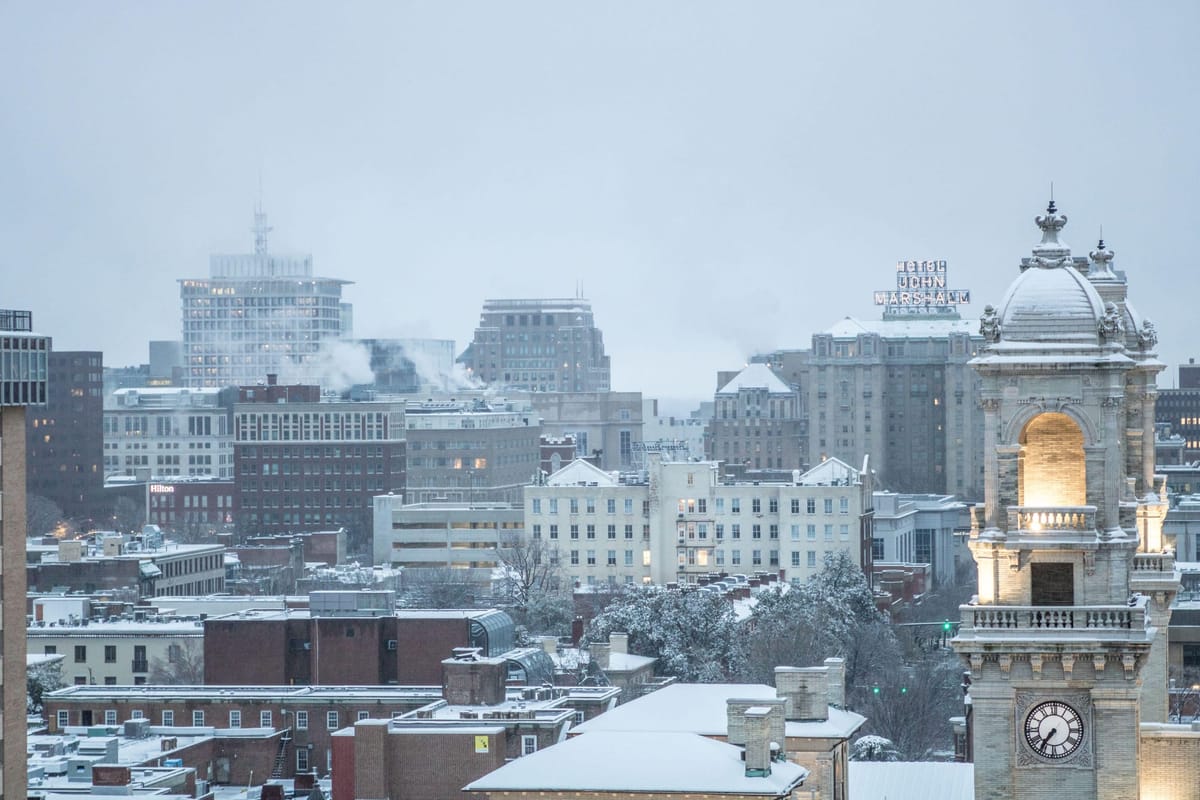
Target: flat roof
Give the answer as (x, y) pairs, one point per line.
(317, 693)
(701, 708)
(911, 780)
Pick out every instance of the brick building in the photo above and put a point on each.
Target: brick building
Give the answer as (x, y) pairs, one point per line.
(303, 464)
(478, 725)
(118, 562)
(347, 639)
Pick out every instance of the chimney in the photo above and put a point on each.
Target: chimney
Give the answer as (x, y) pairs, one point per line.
(837, 681)
(757, 724)
(807, 691)
(735, 710)
(599, 652)
(619, 643)
(576, 631)
(550, 645)
(471, 680)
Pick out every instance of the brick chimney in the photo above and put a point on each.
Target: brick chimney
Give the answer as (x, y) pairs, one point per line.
(599, 653)
(837, 681)
(757, 724)
(735, 715)
(469, 679)
(807, 691)
(619, 643)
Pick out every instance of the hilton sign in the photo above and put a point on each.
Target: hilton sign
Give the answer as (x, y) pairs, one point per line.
(921, 288)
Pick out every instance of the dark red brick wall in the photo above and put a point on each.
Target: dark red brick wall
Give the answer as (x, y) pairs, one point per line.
(422, 644)
(437, 767)
(347, 650)
(245, 652)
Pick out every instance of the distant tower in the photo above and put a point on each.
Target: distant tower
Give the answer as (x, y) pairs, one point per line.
(1074, 579)
(257, 314)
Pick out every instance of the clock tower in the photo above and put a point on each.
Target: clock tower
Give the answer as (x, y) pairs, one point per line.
(1066, 640)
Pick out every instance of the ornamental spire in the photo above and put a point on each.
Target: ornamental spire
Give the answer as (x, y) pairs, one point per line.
(1101, 259)
(1050, 252)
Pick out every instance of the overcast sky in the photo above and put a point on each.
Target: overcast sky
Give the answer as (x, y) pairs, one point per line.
(720, 178)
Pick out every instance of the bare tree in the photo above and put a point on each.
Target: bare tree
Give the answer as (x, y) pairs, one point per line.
(911, 704)
(530, 565)
(128, 515)
(183, 666)
(44, 516)
(438, 587)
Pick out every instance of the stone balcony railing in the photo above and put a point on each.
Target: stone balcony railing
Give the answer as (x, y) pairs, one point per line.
(1051, 519)
(1122, 621)
(1153, 563)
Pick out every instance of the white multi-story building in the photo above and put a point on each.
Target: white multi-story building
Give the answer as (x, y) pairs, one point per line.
(169, 432)
(258, 314)
(120, 652)
(920, 529)
(676, 521)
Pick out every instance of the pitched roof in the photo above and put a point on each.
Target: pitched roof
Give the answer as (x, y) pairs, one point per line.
(581, 473)
(755, 376)
(640, 761)
(830, 472)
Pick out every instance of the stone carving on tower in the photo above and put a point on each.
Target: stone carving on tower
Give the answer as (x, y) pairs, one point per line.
(1066, 640)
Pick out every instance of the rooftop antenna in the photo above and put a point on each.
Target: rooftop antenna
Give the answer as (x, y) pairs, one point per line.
(261, 228)
(1051, 209)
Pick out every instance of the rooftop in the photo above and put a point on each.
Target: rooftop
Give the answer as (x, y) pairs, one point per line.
(755, 376)
(904, 327)
(640, 761)
(295, 693)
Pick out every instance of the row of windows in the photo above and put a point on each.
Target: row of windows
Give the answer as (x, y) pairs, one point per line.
(589, 505)
(590, 531)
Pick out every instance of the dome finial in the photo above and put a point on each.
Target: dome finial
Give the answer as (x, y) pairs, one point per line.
(1050, 252)
(1101, 258)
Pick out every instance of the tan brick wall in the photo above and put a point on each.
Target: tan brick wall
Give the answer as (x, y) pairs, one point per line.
(1052, 466)
(12, 595)
(1170, 763)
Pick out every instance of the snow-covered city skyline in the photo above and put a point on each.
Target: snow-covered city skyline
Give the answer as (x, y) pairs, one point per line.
(717, 181)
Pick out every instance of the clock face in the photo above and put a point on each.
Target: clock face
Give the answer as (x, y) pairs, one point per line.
(1053, 729)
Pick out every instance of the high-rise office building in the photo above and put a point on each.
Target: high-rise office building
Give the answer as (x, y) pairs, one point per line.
(539, 345)
(24, 373)
(756, 421)
(65, 438)
(259, 313)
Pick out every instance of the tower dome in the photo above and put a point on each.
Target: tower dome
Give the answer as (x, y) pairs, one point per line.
(1051, 301)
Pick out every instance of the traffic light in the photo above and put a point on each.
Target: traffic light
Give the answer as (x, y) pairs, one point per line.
(874, 690)
(903, 690)
(946, 626)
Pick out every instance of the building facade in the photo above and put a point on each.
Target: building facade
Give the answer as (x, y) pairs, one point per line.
(65, 438)
(307, 465)
(756, 421)
(605, 425)
(118, 562)
(677, 521)
(921, 529)
(1066, 644)
(256, 314)
(169, 432)
(550, 345)
(24, 375)
(469, 451)
(458, 536)
(121, 652)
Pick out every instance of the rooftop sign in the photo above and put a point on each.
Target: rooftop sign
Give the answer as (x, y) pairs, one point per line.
(921, 289)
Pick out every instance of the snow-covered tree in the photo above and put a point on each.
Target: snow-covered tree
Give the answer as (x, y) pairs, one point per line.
(39, 680)
(694, 635)
(832, 614)
(874, 748)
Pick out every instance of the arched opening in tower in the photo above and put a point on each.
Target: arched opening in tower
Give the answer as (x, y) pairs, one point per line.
(1052, 472)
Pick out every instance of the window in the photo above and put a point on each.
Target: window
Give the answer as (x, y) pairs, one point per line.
(110, 716)
(628, 505)
(720, 504)
(811, 532)
(235, 719)
(810, 505)
(611, 505)
(50, 649)
(737, 557)
(612, 558)
(756, 557)
(575, 558)
(756, 531)
(574, 505)
(168, 718)
(756, 506)
(553, 505)
(197, 719)
(64, 719)
(720, 530)
(537, 531)
(844, 532)
(795, 533)
(828, 505)
(844, 505)
(628, 531)
(629, 558)
(812, 558)
(591, 531)
(735, 505)
(795, 505)
(301, 759)
(331, 720)
(773, 531)
(364, 715)
(264, 719)
(553, 531)
(795, 558)
(735, 531)
(528, 745)
(773, 558)
(537, 505)
(301, 720)
(80, 653)
(137, 714)
(590, 505)
(877, 549)
(110, 654)
(773, 505)
(574, 531)
(702, 506)
(591, 558)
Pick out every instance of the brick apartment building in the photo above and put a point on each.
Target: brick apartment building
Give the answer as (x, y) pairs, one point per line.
(347, 639)
(117, 562)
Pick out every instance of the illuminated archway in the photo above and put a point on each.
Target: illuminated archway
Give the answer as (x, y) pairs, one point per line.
(1052, 471)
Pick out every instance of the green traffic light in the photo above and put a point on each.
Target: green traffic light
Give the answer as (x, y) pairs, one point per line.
(903, 690)
(875, 689)
(946, 625)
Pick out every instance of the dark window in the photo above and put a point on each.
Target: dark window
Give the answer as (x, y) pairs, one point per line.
(1052, 584)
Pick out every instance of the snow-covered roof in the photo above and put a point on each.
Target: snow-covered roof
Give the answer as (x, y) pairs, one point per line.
(627, 662)
(915, 326)
(911, 780)
(640, 761)
(580, 472)
(701, 708)
(755, 376)
(1057, 304)
(830, 472)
